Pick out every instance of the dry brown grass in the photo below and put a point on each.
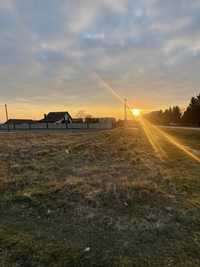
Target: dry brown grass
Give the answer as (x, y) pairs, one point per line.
(104, 190)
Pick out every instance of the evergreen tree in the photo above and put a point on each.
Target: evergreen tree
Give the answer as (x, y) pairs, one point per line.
(176, 115)
(192, 113)
(170, 115)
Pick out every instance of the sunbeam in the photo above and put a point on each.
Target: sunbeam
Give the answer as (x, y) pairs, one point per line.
(153, 138)
(108, 87)
(154, 133)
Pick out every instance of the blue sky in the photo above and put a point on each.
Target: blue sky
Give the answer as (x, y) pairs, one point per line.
(51, 51)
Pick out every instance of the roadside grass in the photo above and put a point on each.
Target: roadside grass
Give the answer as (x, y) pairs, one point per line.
(97, 199)
(184, 170)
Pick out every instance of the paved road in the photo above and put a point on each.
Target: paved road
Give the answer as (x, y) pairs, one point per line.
(181, 128)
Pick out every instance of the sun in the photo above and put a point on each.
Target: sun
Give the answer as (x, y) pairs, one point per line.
(136, 112)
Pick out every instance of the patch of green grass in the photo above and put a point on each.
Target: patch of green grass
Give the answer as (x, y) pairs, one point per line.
(26, 251)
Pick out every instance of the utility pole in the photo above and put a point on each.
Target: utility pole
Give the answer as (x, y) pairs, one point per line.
(7, 115)
(6, 109)
(125, 109)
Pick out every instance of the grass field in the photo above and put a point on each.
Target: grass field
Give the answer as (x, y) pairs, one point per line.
(98, 199)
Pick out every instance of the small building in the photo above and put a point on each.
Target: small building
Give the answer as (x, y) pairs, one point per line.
(57, 117)
(19, 121)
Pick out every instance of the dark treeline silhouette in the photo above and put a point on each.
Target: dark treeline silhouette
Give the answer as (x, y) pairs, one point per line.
(173, 115)
(192, 114)
(170, 115)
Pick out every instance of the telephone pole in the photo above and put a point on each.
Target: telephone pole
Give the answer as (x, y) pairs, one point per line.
(6, 109)
(125, 109)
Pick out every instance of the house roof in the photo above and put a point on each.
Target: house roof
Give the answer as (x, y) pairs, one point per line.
(18, 121)
(56, 116)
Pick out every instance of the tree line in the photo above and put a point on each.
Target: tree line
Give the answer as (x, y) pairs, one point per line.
(173, 115)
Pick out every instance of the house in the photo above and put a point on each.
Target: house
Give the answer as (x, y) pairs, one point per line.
(57, 117)
(18, 121)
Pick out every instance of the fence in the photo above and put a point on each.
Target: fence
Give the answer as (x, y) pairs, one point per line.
(54, 126)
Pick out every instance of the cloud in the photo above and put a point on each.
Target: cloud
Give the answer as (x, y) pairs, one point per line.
(84, 13)
(143, 47)
(7, 5)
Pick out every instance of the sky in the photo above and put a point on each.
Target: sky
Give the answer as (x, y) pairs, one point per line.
(60, 54)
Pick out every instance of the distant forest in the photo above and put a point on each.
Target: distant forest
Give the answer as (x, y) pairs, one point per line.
(173, 115)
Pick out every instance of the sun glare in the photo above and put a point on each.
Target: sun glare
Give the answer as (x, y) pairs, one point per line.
(136, 112)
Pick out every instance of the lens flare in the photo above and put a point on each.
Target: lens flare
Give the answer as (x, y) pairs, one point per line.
(155, 135)
(106, 85)
(153, 138)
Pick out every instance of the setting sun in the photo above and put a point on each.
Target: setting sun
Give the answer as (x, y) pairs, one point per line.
(136, 112)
